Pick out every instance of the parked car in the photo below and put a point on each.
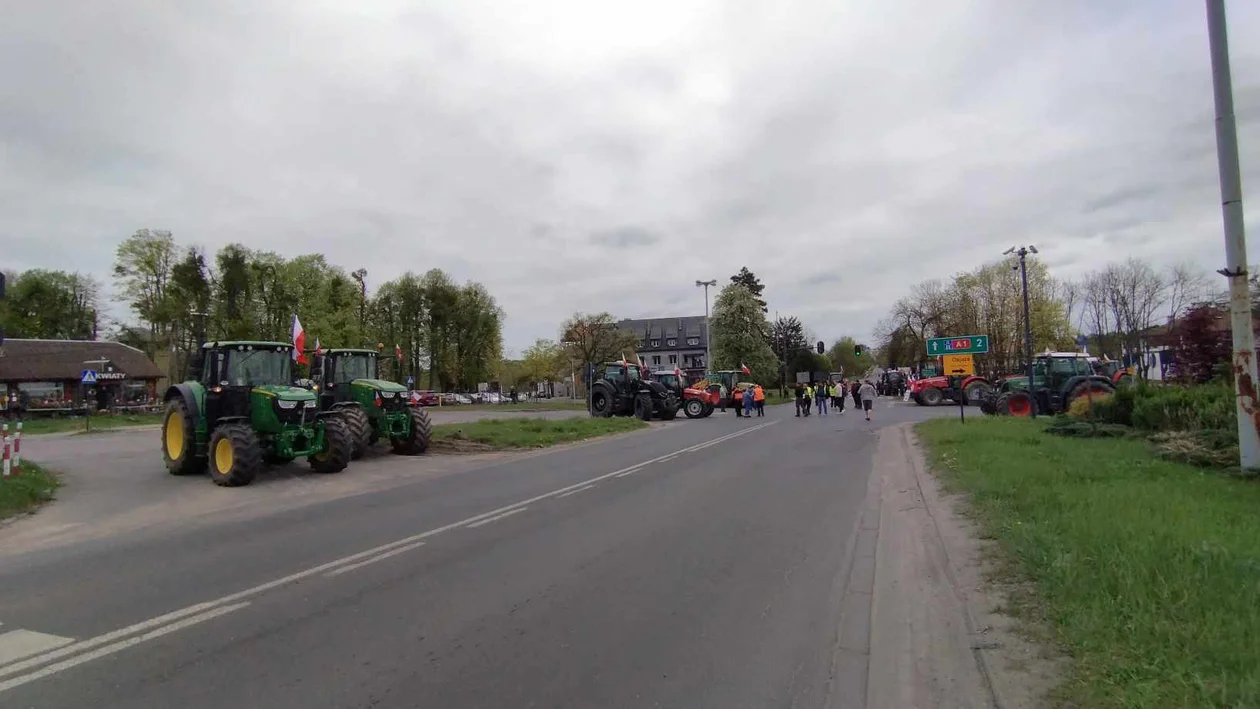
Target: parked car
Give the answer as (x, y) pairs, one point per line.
(424, 397)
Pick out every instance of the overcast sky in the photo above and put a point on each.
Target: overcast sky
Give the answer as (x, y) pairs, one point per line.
(589, 155)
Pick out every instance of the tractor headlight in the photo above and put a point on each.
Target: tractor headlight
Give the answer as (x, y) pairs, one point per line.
(309, 403)
(387, 395)
(287, 404)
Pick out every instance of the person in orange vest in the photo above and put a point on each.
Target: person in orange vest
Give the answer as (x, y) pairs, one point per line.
(759, 399)
(738, 396)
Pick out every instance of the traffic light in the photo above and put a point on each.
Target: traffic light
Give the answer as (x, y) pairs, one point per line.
(857, 350)
(821, 349)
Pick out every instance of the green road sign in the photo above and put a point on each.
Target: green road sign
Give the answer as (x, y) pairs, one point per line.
(967, 344)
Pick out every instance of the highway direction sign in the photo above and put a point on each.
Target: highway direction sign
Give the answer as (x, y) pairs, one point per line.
(967, 344)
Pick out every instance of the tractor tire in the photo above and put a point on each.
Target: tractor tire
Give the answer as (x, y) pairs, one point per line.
(931, 396)
(708, 410)
(338, 447)
(976, 392)
(1083, 388)
(1019, 404)
(999, 404)
(643, 407)
(235, 455)
(360, 430)
(601, 404)
(417, 441)
(694, 409)
(669, 412)
(179, 441)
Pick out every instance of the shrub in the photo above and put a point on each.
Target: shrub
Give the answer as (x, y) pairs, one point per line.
(1082, 408)
(1185, 408)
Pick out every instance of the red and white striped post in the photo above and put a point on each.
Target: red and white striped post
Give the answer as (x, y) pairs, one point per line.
(17, 449)
(4, 435)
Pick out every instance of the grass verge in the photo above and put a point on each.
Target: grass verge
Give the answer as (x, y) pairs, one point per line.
(540, 405)
(516, 433)
(100, 422)
(21, 493)
(1146, 571)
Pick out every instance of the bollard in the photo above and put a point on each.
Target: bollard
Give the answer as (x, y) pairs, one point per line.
(4, 435)
(17, 450)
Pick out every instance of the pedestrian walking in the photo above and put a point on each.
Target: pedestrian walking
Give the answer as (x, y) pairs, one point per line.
(868, 394)
(749, 400)
(820, 398)
(800, 398)
(841, 392)
(759, 400)
(857, 399)
(739, 402)
(809, 400)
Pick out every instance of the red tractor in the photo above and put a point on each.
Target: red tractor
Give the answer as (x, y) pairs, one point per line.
(933, 391)
(698, 400)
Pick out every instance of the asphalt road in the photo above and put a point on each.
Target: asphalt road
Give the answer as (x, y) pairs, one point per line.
(696, 564)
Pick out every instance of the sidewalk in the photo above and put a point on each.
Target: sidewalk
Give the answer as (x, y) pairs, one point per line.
(935, 638)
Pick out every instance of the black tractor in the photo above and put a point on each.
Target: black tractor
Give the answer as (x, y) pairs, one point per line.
(1059, 378)
(620, 389)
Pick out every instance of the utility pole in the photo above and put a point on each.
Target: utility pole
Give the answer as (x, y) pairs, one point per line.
(1022, 252)
(1244, 357)
(708, 344)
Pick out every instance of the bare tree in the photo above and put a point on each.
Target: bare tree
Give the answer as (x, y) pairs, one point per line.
(1187, 285)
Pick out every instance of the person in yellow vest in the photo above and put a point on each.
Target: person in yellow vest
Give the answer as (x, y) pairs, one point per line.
(759, 400)
(809, 399)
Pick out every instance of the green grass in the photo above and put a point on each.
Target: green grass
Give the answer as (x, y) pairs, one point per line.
(507, 434)
(23, 492)
(1146, 572)
(100, 422)
(540, 405)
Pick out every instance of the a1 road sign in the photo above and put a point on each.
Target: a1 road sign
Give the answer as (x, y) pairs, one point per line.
(967, 344)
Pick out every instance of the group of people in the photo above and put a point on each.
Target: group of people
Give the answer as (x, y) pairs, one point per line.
(819, 395)
(749, 399)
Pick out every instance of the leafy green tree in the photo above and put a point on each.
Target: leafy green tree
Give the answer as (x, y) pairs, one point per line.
(233, 313)
(595, 338)
(191, 292)
(749, 280)
(544, 361)
(842, 359)
(741, 334)
(142, 270)
(51, 305)
(441, 299)
(476, 337)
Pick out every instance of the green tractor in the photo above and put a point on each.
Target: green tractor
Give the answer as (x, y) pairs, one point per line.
(347, 381)
(239, 410)
(1059, 378)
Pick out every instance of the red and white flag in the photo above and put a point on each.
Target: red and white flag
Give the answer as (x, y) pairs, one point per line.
(743, 368)
(398, 352)
(318, 350)
(299, 341)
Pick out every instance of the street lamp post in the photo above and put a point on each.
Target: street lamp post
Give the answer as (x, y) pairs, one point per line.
(708, 345)
(1022, 252)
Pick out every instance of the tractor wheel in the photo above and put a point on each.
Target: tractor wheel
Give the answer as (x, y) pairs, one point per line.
(1019, 404)
(977, 391)
(708, 410)
(1000, 404)
(601, 404)
(669, 412)
(179, 441)
(694, 409)
(1084, 388)
(417, 441)
(338, 447)
(360, 430)
(930, 396)
(643, 407)
(235, 456)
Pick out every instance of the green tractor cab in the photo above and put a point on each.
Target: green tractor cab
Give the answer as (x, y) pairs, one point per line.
(348, 381)
(239, 410)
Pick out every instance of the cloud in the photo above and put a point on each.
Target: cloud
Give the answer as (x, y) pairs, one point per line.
(842, 150)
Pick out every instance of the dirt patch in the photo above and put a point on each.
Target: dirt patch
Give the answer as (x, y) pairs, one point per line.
(448, 446)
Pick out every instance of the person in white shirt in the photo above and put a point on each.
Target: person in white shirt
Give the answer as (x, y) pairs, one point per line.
(867, 392)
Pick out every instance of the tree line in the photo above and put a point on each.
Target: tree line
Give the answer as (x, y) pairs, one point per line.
(1117, 308)
(449, 333)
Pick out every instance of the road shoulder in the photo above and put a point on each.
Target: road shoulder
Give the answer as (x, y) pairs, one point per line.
(937, 636)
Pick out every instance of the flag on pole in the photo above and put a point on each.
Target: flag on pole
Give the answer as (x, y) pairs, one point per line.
(398, 352)
(299, 341)
(623, 359)
(743, 368)
(318, 350)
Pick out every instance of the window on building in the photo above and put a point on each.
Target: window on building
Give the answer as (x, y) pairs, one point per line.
(656, 359)
(671, 343)
(43, 394)
(656, 343)
(673, 359)
(693, 341)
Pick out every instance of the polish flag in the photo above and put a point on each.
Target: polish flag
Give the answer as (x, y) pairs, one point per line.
(398, 352)
(743, 368)
(299, 341)
(318, 350)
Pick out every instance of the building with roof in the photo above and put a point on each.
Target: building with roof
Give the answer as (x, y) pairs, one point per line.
(669, 343)
(47, 374)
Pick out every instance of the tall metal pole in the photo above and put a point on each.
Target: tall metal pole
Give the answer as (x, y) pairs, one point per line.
(1244, 357)
(708, 345)
(1028, 353)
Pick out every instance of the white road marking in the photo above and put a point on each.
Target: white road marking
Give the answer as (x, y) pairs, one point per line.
(115, 647)
(496, 518)
(666, 460)
(373, 560)
(574, 492)
(200, 612)
(629, 471)
(16, 644)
